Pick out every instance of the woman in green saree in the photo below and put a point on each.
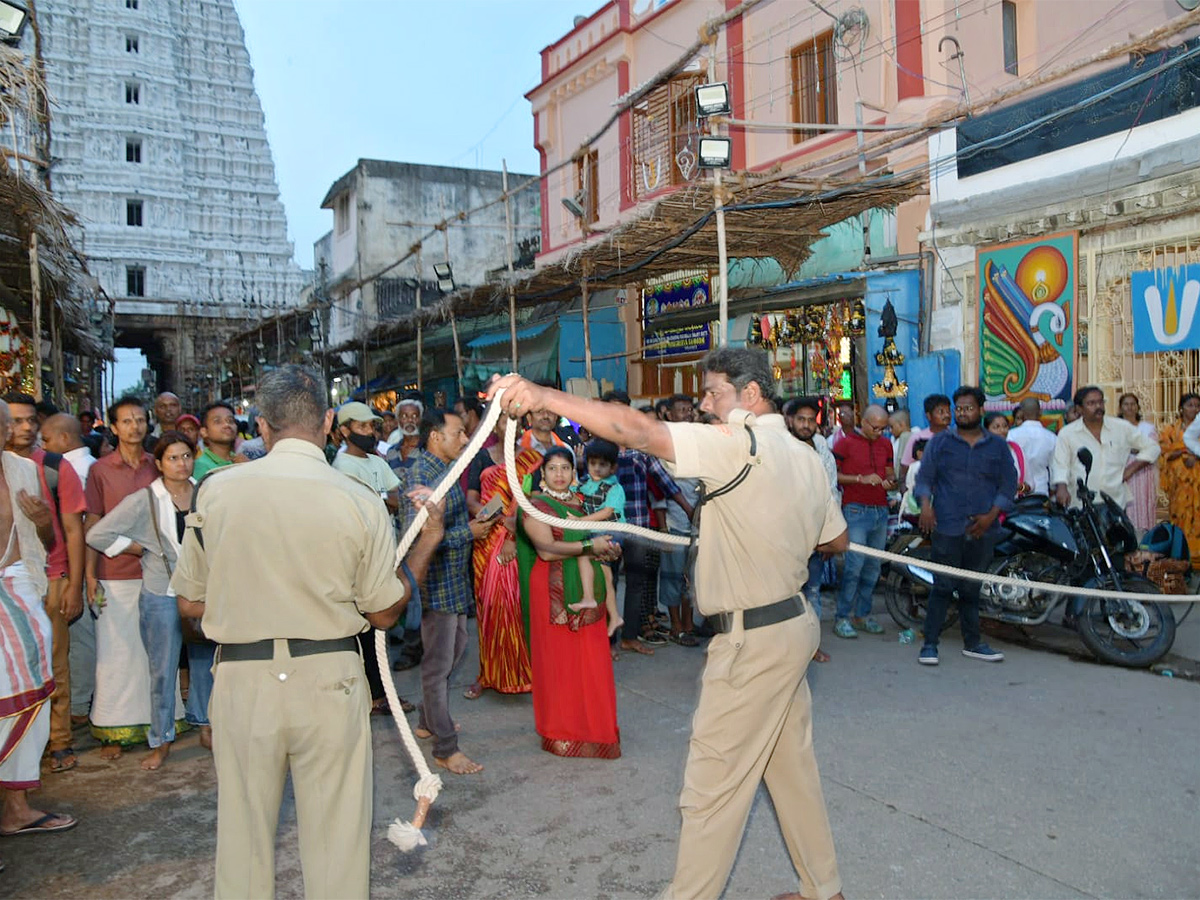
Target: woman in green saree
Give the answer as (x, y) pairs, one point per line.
(574, 696)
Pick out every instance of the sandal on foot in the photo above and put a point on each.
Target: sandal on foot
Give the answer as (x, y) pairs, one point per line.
(473, 692)
(42, 826)
(685, 639)
(63, 760)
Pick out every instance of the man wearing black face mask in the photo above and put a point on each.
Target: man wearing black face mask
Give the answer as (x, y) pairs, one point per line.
(357, 424)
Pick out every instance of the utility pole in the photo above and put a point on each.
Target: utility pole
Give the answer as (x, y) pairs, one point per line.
(512, 289)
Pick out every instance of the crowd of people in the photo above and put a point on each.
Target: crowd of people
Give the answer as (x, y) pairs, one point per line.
(97, 514)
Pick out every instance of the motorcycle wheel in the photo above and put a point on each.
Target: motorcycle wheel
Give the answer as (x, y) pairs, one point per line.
(905, 598)
(1128, 633)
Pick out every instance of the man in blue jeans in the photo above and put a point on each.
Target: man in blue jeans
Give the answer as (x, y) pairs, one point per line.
(866, 474)
(967, 478)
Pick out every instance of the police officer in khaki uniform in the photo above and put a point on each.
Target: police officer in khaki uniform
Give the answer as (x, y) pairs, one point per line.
(285, 560)
(753, 721)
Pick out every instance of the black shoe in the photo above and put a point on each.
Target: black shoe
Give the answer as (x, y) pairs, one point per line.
(404, 663)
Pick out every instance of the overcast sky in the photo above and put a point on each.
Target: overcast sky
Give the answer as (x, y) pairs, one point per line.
(428, 82)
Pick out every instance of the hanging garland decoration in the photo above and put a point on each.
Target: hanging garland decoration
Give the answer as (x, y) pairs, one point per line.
(15, 352)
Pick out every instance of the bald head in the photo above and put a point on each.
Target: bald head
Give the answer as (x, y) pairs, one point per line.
(876, 416)
(167, 409)
(1031, 408)
(62, 433)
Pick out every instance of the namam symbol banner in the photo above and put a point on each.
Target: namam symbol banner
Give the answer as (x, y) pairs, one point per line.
(1165, 302)
(1027, 311)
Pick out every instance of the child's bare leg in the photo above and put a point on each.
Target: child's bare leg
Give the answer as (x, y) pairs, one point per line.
(610, 601)
(587, 575)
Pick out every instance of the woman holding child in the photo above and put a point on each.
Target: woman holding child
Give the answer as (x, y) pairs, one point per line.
(574, 696)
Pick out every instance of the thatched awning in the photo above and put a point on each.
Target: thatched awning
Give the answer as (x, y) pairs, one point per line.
(779, 218)
(27, 207)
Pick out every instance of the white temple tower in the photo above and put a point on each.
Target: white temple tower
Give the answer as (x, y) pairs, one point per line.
(159, 145)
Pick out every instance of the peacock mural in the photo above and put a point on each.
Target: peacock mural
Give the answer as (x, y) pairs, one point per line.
(1027, 322)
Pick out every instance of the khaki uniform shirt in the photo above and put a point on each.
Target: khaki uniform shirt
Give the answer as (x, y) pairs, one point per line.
(755, 541)
(292, 549)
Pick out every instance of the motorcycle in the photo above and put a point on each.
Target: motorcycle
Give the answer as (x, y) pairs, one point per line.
(1045, 543)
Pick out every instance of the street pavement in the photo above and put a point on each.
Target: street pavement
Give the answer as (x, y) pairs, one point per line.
(1044, 776)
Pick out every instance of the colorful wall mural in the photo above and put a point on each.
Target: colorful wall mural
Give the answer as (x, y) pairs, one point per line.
(1027, 312)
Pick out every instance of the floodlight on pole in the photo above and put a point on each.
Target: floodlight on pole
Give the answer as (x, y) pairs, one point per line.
(445, 276)
(712, 99)
(714, 152)
(574, 207)
(13, 17)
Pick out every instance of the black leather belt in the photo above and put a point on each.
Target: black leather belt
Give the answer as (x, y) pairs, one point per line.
(761, 616)
(296, 647)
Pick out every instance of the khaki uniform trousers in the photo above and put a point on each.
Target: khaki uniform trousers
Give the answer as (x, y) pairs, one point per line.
(308, 715)
(754, 722)
(60, 661)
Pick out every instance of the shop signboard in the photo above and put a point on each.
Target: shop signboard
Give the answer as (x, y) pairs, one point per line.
(686, 293)
(1164, 309)
(1027, 312)
(678, 341)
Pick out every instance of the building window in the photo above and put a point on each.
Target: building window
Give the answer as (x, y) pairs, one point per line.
(666, 136)
(133, 213)
(587, 183)
(131, 44)
(133, 93)
(814, 85)
(135, 281)
(341, 214)
(131, 4)
(133, 150)
(1008, 24)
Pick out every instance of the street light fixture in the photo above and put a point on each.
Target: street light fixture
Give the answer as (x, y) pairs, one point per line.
(13, 17)
(712, 99)
(715, 152)
(445, 276)
(574, 205)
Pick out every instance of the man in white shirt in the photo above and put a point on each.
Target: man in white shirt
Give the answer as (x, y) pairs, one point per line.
(1111, 442)
(1037, 444)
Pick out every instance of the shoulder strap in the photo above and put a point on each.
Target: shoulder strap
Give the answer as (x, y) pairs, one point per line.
(704, 497)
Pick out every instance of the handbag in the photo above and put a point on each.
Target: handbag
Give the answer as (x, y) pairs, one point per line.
(193, 632)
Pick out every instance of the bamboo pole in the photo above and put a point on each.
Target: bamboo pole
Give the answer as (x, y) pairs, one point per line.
(587, 331)
(512, 291)
(35, 303)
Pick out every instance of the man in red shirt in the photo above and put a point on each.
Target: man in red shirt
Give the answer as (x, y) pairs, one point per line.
(63, 494)
(121, 703)
(866, 474)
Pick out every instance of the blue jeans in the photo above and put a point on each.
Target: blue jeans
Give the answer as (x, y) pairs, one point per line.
(962, 552)
(867, 526)
(200, 681)
(812, 587)
(158, 622)
(671, 564)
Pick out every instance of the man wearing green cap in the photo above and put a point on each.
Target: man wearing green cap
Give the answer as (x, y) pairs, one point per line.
(357, 421)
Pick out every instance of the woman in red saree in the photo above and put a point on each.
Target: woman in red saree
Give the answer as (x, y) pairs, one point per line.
(574, 696)
(503, 652)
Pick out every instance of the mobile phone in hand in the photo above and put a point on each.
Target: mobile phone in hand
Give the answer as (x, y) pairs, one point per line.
(490, 510)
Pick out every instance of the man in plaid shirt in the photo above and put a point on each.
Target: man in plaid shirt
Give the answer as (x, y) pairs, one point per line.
(635, 471)
(447, 596)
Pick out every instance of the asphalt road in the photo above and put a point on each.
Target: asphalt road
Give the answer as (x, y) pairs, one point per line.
(1039, 777)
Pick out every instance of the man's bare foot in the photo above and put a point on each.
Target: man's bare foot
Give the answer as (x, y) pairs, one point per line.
(156, 757)
(474, 691)
(459, 763)
(613, 624)
(636, 647)
(110, 751)
(425, 734)
(206, 737)
(820, 656)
